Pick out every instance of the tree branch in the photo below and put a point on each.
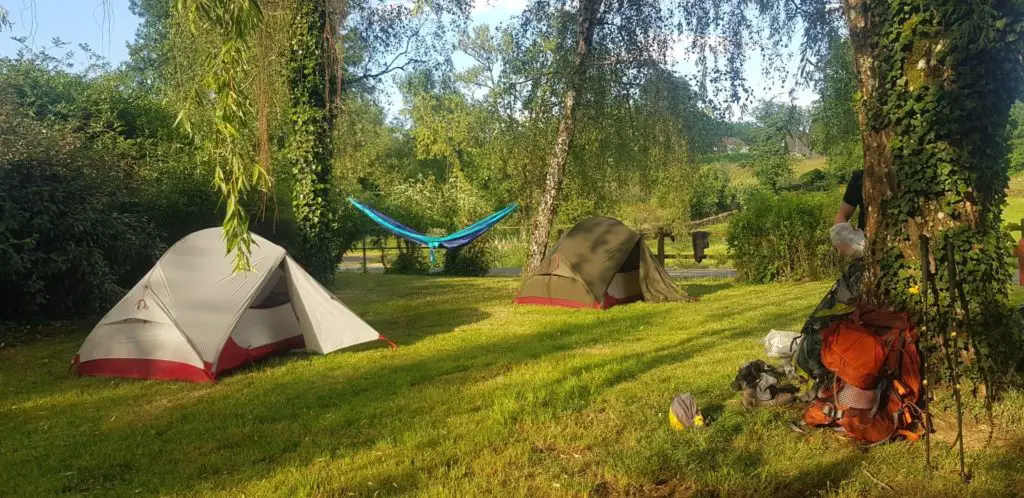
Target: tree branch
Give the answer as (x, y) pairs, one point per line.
(383, 72)
(390, 67)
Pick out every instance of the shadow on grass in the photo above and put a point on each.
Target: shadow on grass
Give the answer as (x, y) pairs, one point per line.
(702, 289)
(472, 395)
(407, 309)
(397, 399)
(574, 388)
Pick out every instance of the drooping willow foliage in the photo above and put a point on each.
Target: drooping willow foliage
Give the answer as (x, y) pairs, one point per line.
(239, 77)
(234, 24)
(937, 79)
(251, 48)
(5, 18)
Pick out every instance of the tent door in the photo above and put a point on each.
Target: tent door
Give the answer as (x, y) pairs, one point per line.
(267, 326)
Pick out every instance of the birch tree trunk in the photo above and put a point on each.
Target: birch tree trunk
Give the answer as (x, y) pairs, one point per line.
(548, 206)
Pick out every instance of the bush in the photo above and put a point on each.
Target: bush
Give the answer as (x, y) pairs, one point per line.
(773, 171)
(712, 193)
(409, 261)
(1016, 142)
(815, 180)
(843, 160)
(725, 158)
(472, 260)
(783, 237)
(68, 245)
(93, 182)
(743, 189)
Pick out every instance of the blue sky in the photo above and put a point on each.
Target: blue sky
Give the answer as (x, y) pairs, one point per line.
(107, 26)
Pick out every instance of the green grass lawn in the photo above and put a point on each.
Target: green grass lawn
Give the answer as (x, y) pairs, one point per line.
(1013, 211)
(739, 174)
(482, 398)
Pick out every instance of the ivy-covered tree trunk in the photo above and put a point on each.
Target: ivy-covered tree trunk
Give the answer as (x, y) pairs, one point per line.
(548, 207)
(314, 76)
(937, 79)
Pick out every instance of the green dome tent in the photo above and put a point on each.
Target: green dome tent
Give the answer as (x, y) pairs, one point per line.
(599, 263)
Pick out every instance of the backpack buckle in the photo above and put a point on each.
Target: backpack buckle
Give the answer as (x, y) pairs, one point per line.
(832, 412)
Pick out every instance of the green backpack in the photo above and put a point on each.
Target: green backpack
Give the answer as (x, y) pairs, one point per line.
(837, 304)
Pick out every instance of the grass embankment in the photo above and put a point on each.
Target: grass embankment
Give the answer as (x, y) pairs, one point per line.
(481, 398)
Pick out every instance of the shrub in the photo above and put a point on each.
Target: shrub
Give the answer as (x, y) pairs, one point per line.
(93, 182)
(1016, 142)
(409, 261)
(742, 190)
(773, 171)
(472, 260)
(783, 237)
(815, 180)
(712, 193)
(68, 245)
(844, 159)
(725, 158)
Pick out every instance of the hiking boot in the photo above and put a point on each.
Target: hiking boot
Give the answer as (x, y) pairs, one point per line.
(751, 400)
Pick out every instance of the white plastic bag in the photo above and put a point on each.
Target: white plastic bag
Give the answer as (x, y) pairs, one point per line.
(781, 343)
(845, 237)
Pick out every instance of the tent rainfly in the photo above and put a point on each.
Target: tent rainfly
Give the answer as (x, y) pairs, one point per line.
(599, 263)
(192, 318)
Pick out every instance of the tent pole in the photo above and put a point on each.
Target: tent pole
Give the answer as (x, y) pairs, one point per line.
(924, 355)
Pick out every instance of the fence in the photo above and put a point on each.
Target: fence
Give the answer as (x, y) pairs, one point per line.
(711, 220)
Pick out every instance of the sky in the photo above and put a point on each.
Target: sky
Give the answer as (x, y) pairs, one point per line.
(108, 26)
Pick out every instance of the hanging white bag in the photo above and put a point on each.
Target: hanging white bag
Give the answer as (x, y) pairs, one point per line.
(781, 343)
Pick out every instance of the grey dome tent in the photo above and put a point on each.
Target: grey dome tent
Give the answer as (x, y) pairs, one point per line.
(192, 317)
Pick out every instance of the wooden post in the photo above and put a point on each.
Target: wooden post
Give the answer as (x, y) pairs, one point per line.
(700, 242)
(661, 249)
(661, 245)
(1020, 255)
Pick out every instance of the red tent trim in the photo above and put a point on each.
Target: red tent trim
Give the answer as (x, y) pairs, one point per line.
(143, 368)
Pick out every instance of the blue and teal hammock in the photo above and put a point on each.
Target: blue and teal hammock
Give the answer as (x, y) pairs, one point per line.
(450, 241)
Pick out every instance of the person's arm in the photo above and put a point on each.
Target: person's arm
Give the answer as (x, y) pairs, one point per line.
(844, 214)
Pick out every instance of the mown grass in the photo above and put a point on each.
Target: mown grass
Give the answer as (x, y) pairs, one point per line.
(1013, 211)
(740, 174)
(481, 398)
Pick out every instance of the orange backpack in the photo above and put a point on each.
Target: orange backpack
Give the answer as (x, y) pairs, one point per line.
(876, 386)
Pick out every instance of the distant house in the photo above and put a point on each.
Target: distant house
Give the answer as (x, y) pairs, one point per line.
(733, 145)
(798, 146)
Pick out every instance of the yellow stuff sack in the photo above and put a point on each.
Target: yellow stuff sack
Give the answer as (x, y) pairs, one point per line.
(684, 413)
